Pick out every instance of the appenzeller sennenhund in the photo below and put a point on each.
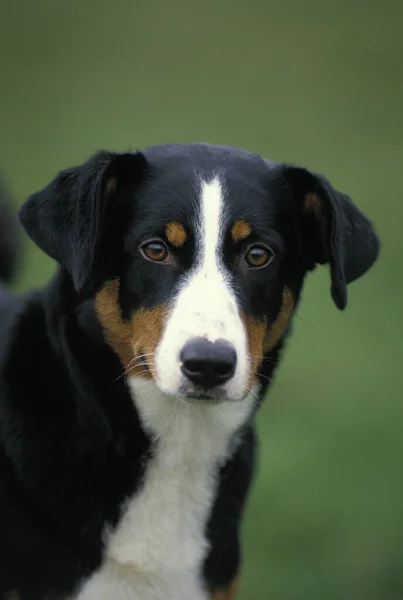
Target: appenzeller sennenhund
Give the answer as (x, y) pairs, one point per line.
(129, 385)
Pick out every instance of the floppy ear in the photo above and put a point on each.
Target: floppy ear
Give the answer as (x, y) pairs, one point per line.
(68, 217)
(333, 230)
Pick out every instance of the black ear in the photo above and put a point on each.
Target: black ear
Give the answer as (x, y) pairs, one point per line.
(333, 230)
(68, 217)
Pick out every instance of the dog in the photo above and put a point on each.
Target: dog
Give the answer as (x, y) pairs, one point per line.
(129, 385)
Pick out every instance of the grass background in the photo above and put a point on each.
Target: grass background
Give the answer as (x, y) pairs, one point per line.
(315, 82)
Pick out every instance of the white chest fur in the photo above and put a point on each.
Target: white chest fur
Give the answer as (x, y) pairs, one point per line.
(156, 552)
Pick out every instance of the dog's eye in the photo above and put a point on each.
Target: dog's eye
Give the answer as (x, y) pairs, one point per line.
(258, 256)
(155, 251)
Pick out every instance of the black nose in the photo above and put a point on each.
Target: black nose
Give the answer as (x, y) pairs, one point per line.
(208, 363)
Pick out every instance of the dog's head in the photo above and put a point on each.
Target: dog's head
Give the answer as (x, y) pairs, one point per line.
(195, 256)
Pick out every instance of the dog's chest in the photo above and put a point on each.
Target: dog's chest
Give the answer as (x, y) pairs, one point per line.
(163, 526)
(157, 549)
(156, 552)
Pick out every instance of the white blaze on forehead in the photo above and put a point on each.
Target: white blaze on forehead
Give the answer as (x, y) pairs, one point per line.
(205, 305)
(210, 237)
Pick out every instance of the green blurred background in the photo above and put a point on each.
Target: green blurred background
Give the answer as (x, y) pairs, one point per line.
(314, 82)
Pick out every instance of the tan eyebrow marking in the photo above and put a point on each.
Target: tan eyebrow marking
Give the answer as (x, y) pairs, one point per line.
(176, 234)
(240, 230)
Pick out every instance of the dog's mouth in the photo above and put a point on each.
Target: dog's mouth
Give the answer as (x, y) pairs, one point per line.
(191, 393)
(143, 367)
(203, 371)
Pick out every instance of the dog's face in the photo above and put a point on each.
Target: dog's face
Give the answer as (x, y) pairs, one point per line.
(195, 256)
(204, 281)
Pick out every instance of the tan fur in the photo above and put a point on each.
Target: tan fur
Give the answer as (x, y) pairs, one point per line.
(277, 328)
(118, 333)
(255, 332)
(240, 230)
(147, 326)
(227, 594)
(133, 338)
(176, 234)
(261, 337)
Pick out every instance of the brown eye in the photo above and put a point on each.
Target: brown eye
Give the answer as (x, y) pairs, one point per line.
(258, 256)
(155, 251)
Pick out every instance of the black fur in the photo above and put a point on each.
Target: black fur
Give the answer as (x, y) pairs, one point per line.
(342, 236)
(71, 443)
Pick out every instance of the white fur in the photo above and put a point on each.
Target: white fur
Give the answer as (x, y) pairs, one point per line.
(157, 550)
(206, 305)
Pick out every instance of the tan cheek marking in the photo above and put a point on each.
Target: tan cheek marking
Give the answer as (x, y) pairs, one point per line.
(136, 337)
(255, 332)
(118, 333)
(240, 230)
(147, 330)
(229, 593)
(262, 338)
(277, 328)
(176, 234)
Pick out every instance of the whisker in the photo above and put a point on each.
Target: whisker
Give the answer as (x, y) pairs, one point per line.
(265, 359)
(140, 356)
(309, 323)
(141, 364)
(133, 364)
(271, 380)
(144, 362)
(120, 377)
(255, 396)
